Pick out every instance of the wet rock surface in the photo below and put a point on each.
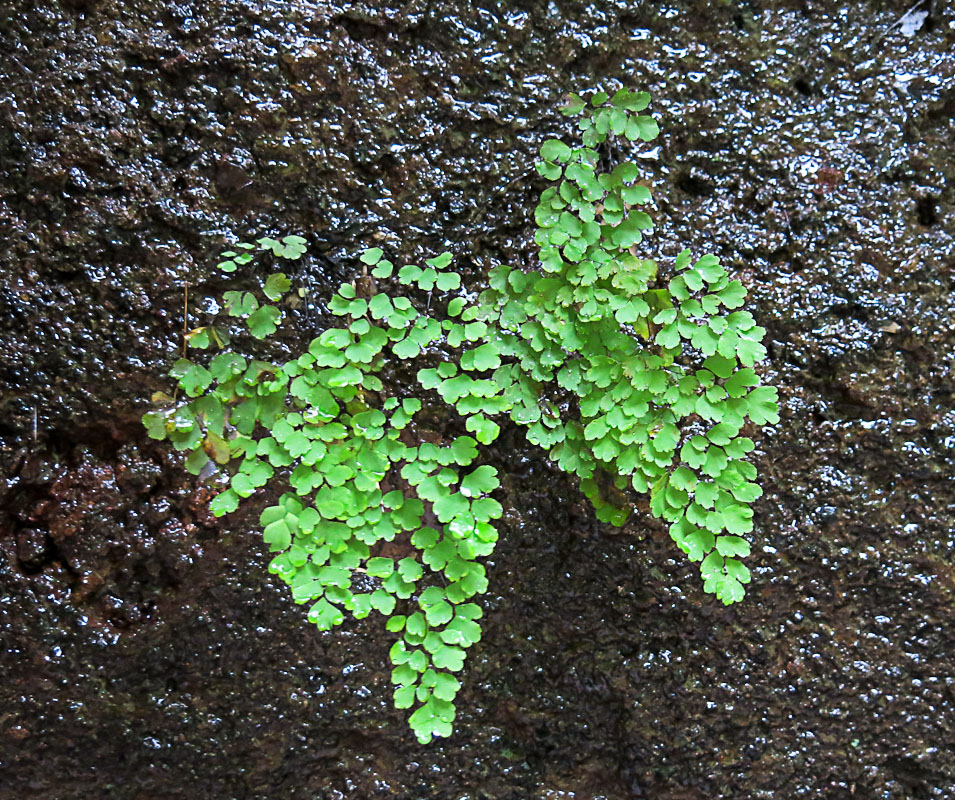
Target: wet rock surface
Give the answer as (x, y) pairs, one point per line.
(144, 649)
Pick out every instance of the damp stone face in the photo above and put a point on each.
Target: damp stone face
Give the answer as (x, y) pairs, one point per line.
(141, 646)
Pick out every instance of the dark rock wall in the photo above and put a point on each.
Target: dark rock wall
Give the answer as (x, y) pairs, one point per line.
(144, 650)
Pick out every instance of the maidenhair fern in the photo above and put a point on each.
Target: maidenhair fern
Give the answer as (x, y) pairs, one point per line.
(626, 375)
(622, 372)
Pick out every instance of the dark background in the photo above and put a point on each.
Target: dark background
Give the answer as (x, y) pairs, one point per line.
(145, 651)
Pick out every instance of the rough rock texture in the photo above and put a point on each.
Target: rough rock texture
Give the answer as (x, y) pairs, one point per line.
(144, 650)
